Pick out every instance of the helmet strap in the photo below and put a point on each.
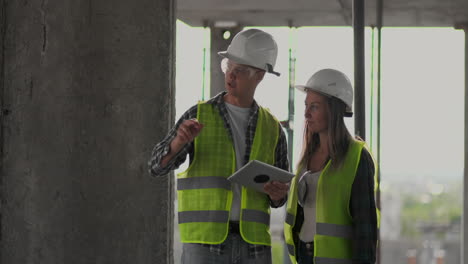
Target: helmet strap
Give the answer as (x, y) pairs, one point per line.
(270, 70)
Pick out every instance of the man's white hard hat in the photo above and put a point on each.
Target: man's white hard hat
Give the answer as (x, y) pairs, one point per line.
(332, 83)
(255, 48)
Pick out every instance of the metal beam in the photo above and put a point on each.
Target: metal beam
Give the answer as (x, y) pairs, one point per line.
(465, 177)
(422, 13)
(359, 69)
(379, 11)
(3, 110)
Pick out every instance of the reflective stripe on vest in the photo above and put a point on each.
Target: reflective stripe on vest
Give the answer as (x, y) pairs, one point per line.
(334, 230)
(203, 216)
(203, 183)
(255, 216)
(204, 193)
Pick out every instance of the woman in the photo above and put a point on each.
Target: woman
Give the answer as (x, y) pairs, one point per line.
(331, 213)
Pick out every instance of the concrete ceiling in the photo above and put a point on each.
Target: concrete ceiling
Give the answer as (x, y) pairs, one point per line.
(396, 13)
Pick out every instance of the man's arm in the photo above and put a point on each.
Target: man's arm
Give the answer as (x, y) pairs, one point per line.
(363, 211)
(168, 155)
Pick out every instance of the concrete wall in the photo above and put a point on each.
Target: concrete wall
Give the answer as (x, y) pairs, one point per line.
(87, 89)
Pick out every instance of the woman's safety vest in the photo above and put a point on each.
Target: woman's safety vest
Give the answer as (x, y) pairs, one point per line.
(204, 193)
(332, 241)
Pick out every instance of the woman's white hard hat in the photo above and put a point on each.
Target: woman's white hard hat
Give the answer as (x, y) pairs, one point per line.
(332, 83)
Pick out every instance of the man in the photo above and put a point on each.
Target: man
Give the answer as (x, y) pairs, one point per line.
(221, 222)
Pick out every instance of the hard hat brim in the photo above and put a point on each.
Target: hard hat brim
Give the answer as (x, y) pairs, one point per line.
(222, 53)
(235, 59)
(238, 60)
(303, 88)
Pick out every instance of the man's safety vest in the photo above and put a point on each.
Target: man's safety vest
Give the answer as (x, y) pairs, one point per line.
(332, 241)
(204, 193)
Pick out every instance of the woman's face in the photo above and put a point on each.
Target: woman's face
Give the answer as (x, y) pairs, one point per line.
(316, 112)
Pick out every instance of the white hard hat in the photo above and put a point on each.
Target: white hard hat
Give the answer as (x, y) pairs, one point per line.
(255, 48)
(331, 82)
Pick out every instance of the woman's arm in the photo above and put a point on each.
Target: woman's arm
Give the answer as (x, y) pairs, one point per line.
(363, 210)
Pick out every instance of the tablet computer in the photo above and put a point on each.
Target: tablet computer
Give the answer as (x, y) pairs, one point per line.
(255, 174)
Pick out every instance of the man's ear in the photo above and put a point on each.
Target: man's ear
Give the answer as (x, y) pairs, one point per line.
(260, 75)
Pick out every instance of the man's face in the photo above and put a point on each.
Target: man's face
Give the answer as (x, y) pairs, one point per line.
(240, 80)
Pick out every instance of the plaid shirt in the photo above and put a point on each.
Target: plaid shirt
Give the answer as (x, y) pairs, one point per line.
(163, 148)
(362, 207)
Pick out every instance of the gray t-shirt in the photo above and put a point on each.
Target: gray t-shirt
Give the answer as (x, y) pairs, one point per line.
(238, 118)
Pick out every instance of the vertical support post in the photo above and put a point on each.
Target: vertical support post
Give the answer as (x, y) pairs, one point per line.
(3, 111)
(359, 69)
(292, 80)
(289, 123)
(465, 174)
(379, 74)
(464, 242)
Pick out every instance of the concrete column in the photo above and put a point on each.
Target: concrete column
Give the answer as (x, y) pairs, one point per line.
(87, 89)
(464, 250)
(465, 177)
(219, 43)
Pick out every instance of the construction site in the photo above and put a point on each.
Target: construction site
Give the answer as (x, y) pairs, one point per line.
(88, 88)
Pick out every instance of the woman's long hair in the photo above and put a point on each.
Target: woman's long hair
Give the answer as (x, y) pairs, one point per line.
(338, 135)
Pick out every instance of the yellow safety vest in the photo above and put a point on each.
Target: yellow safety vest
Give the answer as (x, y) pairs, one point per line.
(332, 242)
(204, 193)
